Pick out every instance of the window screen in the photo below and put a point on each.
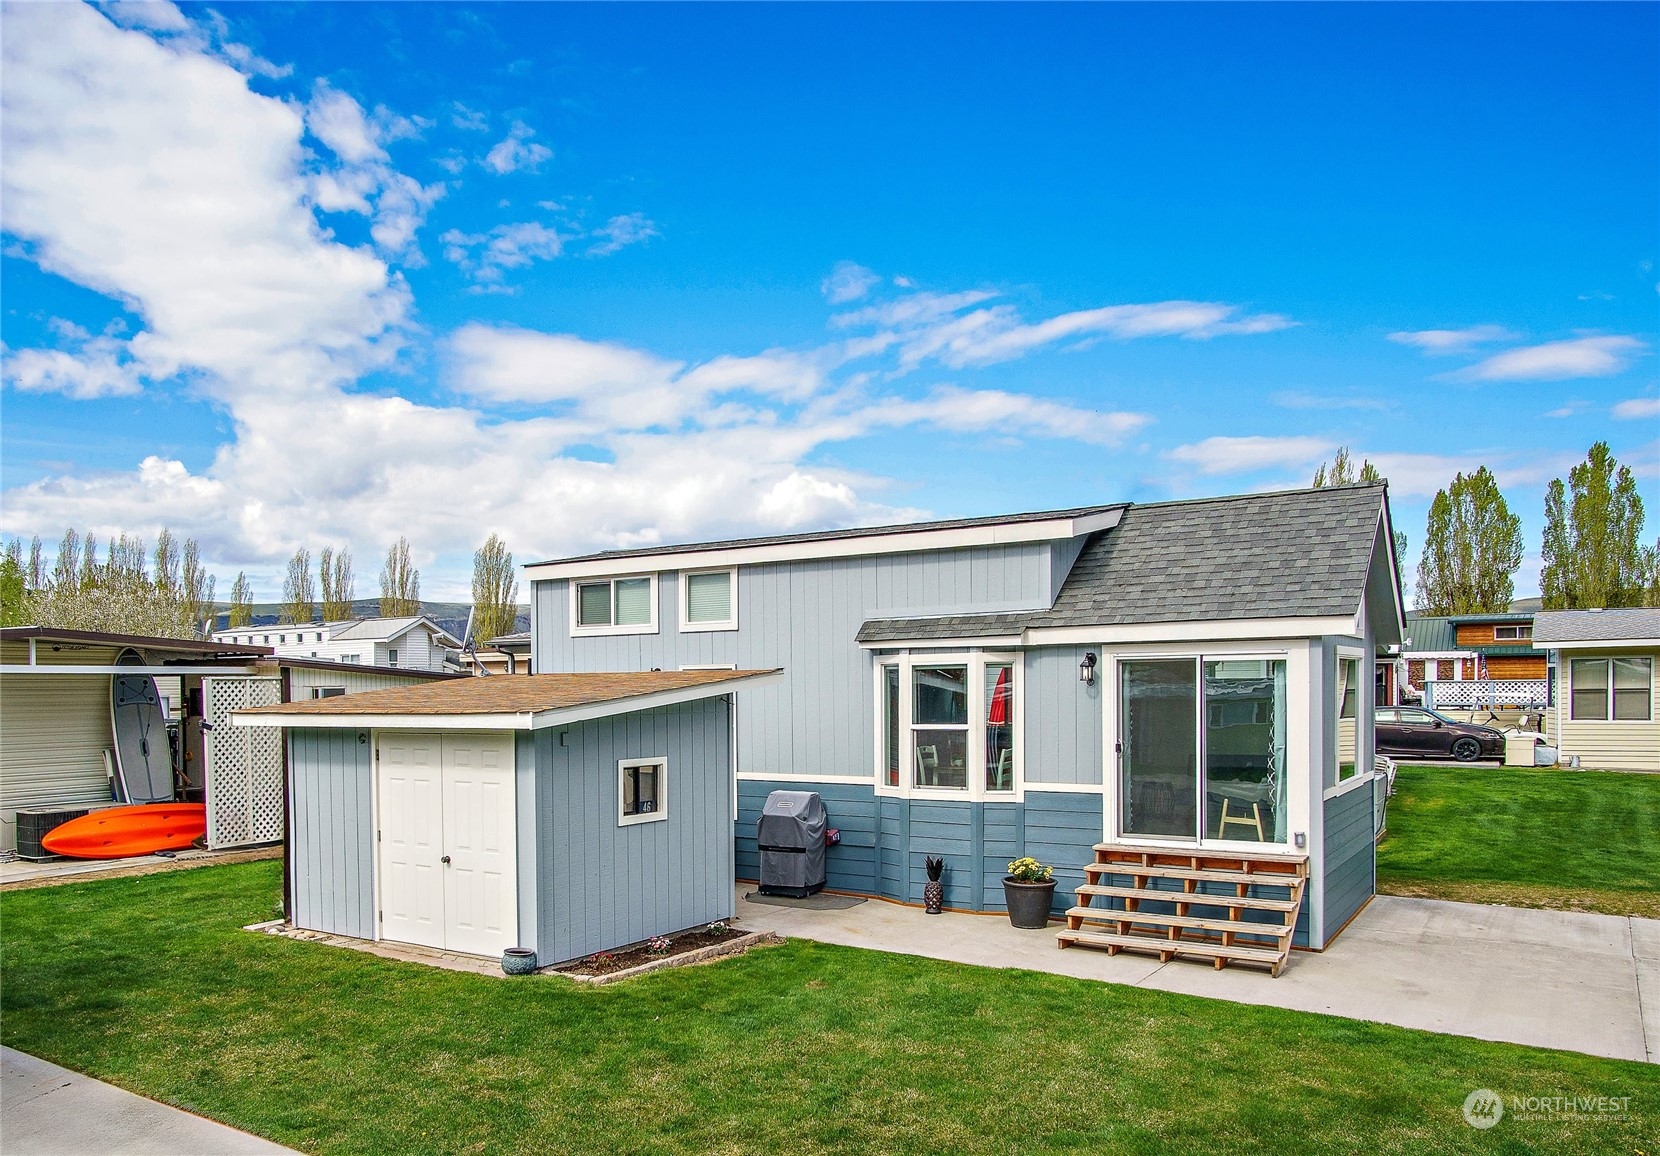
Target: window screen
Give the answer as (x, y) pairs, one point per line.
(1631, 688)
(1590, 689)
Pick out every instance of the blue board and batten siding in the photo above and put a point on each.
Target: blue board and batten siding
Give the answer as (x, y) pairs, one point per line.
(332, 845)
(586, 883)
(885, 840)
(803, 617)
(602, 885)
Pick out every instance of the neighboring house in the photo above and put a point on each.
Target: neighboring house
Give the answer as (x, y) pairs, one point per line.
(1469, 661)
(508, 654)
(571, 813)
(56, 742)
(1182, 677)
(1605, 711)
(413, 643)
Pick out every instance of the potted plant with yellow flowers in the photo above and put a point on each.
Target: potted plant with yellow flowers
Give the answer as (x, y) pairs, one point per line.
(1029, 891)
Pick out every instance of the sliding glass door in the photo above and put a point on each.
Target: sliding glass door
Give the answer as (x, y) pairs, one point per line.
(1203, 745)
(1160, 707)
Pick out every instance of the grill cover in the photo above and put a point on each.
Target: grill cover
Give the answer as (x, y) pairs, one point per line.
(790, 833)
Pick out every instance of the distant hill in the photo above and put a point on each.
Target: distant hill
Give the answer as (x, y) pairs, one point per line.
(452, 616)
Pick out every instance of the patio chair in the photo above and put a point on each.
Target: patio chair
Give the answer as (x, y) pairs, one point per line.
(927, 766)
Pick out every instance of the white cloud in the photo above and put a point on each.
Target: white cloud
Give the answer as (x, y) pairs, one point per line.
(151, 173)
(1302, 399)
(930, 326)
(1237, 455)
(100, 368)
(468, 118)
(1637, 408)
(622, 231)
(1439, 342)
(1558, 360)
(848, 281)
(517, 151)
(154, 175)
(339, 122)
(484, 256)
(365, 181)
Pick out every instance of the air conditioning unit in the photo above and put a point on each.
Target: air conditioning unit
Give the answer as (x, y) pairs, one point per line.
(35, 823)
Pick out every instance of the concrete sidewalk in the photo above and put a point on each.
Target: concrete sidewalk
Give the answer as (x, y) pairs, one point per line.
(1551, 979)
(46, 1110)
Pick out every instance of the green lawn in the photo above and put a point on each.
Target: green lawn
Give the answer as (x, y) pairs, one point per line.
(1577, 840)
(150, 984)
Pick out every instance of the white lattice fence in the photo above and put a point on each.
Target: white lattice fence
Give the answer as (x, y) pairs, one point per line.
(244, 764)
(1530, 693)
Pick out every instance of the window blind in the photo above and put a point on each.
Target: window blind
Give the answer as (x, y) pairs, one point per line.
(633, 602)
(709, 597)
(594, 604)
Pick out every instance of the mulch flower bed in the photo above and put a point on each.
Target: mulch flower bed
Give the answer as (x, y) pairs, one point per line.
(606, 962)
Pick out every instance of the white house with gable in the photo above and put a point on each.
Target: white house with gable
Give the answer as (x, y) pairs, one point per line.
(412, 643)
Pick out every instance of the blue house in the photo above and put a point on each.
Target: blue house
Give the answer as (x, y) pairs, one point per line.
(1171, 703)
(1178, 689)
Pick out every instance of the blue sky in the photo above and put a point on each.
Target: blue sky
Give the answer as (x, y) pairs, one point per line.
(284, 275)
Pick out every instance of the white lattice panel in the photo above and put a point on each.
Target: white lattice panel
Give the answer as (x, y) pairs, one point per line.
(244, 764)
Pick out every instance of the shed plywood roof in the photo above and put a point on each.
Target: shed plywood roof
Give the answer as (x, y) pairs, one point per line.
(511, 694)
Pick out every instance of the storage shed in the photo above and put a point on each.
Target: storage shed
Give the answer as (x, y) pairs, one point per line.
(571, 813)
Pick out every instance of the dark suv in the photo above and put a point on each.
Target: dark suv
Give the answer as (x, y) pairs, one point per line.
(1415, 732)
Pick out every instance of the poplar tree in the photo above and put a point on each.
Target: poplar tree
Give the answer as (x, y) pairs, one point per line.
(299, 596)
(495, 591)
(1593, 557)
(1472, 547)
(400, 583)
(334, 570)
(241, 611)
(1341, 472)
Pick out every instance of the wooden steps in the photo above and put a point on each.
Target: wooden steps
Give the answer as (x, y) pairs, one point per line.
(1193, 884)
(1167, 950)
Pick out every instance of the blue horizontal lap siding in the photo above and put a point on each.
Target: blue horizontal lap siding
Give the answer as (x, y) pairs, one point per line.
(333, 841)
(885, 841)
(1351, 862)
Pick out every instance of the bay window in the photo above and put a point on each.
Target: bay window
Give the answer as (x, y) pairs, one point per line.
(948, 724)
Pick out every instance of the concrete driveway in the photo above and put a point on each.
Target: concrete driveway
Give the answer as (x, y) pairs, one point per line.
(46, 1110)
(1551, 979)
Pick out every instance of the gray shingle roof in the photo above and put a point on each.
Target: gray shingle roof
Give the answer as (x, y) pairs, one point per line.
(856, 532)
(1293, 554)
(1595, 625)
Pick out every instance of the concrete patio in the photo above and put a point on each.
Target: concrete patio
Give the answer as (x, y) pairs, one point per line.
(1553, 979)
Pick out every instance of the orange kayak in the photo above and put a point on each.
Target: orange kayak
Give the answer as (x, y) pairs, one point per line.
(117, 832)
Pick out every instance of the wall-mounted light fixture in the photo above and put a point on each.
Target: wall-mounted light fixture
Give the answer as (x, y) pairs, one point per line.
(1086, 669)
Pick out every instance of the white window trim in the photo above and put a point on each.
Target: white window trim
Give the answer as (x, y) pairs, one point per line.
(1565, 703)
(1518, 636)
(580, 631)
(662, 812)
(687, 626)
(976, 661)
(1364, 769)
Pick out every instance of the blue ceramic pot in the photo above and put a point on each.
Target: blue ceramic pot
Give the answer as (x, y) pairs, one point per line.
(518, 960)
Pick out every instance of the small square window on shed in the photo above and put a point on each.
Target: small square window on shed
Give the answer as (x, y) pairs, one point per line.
(327, 691)
(642, 791)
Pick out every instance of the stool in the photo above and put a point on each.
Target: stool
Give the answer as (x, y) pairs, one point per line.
(1253, 820)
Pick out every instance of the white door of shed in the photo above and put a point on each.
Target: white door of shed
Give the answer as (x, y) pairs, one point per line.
(480, 898)
(447, 841)
(411, 837)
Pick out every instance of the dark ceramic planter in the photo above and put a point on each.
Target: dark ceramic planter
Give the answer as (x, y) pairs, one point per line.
(518, 960)
(1028, 903)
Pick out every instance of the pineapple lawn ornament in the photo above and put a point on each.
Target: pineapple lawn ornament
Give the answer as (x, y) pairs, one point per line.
(933, 891)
